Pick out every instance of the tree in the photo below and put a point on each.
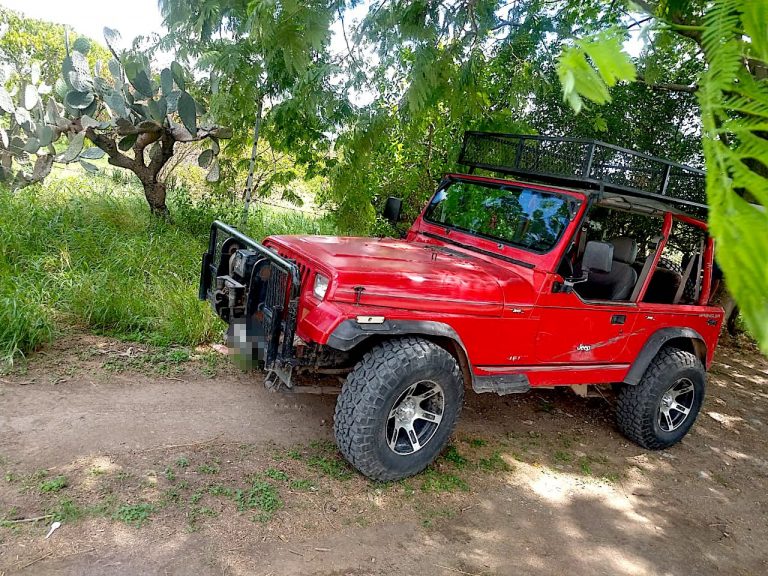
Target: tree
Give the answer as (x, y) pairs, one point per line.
(25, 42)
(268, 64)
(124, 109)
(443, 68)
(732, 39)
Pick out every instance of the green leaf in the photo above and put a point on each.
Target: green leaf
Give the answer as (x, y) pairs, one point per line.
(61, 88)
(32, 146)
(142, 83)
(79, 100)
(44, 135)
(116, 103)
(178, 74)
(166, 81)
(35, 73)
(115, 69)
(158, 109)
(173, 101)
(204, 160)
(111, 37)
(755, 21)
(88, 122)
(66, 68)
(4, 137)
(82, 45)
(188, 112)
(607, 53)
(73, 150)
(22, 117)
(214, 173)
(92, 153)
(127, 143)
(80, 75)
(52, 115)
(42, 168)
(6, 102)
(609, 65)
(92, 168)
(30, 97)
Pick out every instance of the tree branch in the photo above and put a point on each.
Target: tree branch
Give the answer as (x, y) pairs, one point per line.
(675, 21)
(116, 158)
(669, 87)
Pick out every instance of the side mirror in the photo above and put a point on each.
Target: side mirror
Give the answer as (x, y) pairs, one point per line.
(392, 210)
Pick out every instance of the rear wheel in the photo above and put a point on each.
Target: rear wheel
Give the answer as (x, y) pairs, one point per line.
(398, 408)
(660, 410)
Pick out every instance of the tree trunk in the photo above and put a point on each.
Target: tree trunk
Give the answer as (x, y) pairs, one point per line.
(154, 192)
(254, 153)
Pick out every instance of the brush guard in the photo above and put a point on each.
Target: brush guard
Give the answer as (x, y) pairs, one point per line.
(256, 291)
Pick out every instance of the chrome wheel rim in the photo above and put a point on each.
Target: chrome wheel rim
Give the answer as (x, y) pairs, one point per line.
(415, 417)
(676, 405)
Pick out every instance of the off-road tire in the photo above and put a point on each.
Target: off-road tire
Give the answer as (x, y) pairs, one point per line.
(371, 390)
(637, 408)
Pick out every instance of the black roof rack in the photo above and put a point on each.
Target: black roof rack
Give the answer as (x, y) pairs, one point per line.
(587, 164)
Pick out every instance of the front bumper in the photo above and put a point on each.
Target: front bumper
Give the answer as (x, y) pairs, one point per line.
(256, 291)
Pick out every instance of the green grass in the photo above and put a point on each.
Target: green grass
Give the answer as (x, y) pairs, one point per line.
(495, 463)
(261, 497)
(54, 484)
(276, 474)
(212, 467)
(67, 511)
(302, 485)
(135, 514)
(434, 480)
(84, 253)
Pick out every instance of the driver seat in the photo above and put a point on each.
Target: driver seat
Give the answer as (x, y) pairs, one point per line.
(618, 282)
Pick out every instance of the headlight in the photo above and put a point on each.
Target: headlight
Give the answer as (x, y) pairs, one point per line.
(321, 286)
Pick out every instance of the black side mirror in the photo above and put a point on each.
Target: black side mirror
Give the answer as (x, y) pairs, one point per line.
(392, 210)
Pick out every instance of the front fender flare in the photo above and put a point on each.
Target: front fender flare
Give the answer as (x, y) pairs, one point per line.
(655, 343)
(350, 333)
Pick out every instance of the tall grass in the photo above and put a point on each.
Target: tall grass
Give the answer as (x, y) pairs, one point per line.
(84, 253)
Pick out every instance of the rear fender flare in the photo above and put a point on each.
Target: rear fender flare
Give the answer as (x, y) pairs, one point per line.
(350, 334)
(656, 342)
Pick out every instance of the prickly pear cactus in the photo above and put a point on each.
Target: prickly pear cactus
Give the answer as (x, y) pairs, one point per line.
(122, 106)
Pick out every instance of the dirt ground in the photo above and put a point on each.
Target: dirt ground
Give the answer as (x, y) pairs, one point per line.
(158, 462)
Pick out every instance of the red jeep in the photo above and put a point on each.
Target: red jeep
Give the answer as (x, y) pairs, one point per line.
(592, 266)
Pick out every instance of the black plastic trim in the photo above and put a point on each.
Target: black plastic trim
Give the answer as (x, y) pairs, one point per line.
(350, 333)
(652, 347)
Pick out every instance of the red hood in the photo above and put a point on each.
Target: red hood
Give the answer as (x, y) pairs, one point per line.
(409, 275)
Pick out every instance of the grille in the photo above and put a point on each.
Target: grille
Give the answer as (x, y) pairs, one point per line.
(277, 289)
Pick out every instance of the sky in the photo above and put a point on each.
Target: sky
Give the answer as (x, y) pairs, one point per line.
(89, 17)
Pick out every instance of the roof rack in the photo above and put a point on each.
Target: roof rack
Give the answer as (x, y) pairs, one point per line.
(587, 164)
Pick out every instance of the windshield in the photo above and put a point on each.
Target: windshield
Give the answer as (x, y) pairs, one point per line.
(522, 217)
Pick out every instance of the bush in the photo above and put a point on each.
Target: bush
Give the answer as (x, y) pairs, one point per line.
(84, 252)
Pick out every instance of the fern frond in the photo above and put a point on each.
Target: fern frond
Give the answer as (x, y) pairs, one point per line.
(734, 108)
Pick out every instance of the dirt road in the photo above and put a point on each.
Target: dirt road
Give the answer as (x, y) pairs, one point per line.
(163, 464)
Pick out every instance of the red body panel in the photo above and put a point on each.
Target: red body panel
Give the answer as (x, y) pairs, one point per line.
(498, 299)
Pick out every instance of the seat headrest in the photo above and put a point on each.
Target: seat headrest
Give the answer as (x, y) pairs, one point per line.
(624, 249)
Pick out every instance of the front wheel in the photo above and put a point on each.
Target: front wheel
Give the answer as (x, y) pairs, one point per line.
(660, 410)
(398, 408)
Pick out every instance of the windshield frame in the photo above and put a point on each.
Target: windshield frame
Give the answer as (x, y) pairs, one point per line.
(573, 202)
